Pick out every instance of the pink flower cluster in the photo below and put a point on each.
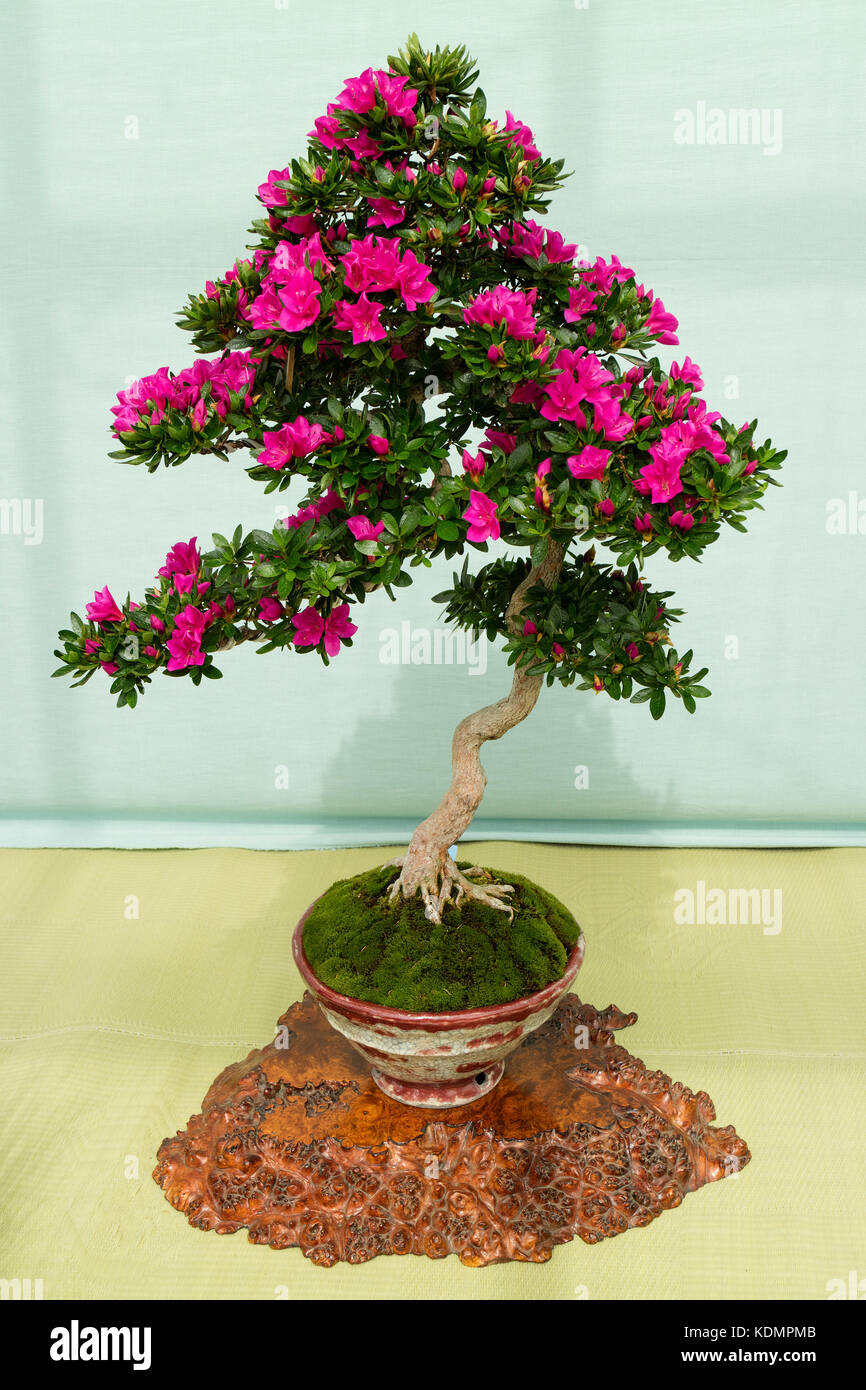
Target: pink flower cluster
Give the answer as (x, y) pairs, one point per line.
(181, 569)
(311, 628)
(360, 95)
(379, 264)
(330, 502)
(289, 297)
(212, 288)
(500, 305)
(581, 381)
(602, 275)
(661, 478)
(530, 240)
(290, 292)
(295, 440)
(147, 400)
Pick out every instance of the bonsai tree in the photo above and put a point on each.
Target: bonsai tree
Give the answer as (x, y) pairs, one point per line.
(398, 295)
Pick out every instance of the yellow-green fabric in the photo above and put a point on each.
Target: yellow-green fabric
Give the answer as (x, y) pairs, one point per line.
(114, 1025)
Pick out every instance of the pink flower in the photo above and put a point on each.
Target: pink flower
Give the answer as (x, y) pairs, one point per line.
(564, 400)
(157, 624)
(644, 523)
(683, 520)
(474, 466)
(270, 610)
(496, 439)
(481, 515)
(363, 529)
(689, 372)
(663, 476)
(359, 93)
(91, 645)
(362, 318)
(299, 297)
(387, 213)
(110, 667)
(398, 102)
(529, 628)
(580, 301)
(458, 182)
(521, 135)
(337, 626)
(151, 651)
(269, 194)
(332, 501)
(558, 651)
(589, 463)
(528, 393)
(608, 419)
(661, 325)
(633, 651)
(412, 281)
(379, 444)
(309, 627)
(265, 310)
(294, 440)
(185, 642)
(606, 507)
(103, 608)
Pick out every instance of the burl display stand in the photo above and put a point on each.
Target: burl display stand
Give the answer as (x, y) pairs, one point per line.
(298, 1145)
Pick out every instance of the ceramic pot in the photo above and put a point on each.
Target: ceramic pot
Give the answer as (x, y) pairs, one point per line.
(435, 1060)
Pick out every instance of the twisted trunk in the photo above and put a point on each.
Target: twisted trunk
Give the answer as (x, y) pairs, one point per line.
(426, 867)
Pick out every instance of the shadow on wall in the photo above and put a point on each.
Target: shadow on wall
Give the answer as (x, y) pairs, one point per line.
(396, 755)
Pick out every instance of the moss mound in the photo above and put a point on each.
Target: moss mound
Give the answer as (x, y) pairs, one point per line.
(362, 945)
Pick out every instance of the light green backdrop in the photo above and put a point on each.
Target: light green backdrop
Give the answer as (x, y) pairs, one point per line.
(134, 139)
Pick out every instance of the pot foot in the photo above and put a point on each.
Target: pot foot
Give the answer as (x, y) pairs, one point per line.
(440, 1095)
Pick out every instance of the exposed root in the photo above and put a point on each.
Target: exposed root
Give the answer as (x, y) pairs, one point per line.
(445, 883)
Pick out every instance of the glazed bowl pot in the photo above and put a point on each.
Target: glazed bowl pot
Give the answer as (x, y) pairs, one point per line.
(435, 1060)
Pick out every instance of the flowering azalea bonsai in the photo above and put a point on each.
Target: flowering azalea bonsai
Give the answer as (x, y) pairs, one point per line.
(400, 294)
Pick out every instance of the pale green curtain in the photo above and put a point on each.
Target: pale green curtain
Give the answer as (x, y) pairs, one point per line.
(134, 139)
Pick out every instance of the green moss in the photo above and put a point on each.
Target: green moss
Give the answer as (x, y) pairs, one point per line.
(363, 945)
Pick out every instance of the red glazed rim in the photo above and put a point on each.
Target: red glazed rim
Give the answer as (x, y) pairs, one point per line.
(515, 1010)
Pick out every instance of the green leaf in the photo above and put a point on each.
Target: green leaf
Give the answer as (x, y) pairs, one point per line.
(641, 697)
(657, 703)
(447, 530)
(539, 551)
